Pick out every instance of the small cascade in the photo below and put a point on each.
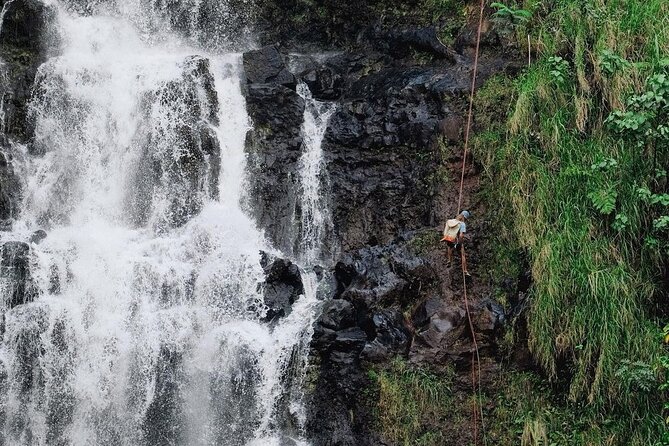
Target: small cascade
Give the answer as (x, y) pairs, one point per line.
(315, 220)
(3, 12)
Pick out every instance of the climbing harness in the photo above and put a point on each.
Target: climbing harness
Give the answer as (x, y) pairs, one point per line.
(476, 360)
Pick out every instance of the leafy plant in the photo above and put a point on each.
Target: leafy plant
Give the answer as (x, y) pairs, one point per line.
(513, 16)
(661, 223)
(558, 69)
(610, 62)
(604, 200)
(620, 223)
(605, 164)
(637, 375)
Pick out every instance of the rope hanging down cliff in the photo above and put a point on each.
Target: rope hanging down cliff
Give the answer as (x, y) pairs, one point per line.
(476, 362)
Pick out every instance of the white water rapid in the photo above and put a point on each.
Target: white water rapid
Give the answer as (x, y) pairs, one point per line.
(147, 322)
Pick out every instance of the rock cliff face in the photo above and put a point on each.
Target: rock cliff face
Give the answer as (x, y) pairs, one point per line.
(393, 151)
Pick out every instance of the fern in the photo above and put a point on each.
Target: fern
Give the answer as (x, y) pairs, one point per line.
(604, 200)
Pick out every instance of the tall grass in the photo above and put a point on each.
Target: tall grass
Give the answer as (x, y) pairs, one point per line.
(413, 404)
(593, 282)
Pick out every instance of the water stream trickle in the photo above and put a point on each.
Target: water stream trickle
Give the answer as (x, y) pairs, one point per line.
(147, 327)
(3, 12)
(315, 220)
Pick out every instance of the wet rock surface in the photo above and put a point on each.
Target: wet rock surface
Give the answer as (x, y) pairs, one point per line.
(10, 189)
(273, 144)
(26, 40)
(391, 153)
(282, 287)
(184, 170)
(15, 274)
(389, 303)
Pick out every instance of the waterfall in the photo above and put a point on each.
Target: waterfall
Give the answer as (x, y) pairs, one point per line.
(314, 220)
(138, 319)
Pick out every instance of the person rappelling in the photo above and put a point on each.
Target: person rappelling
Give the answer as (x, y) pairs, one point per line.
(454, 236)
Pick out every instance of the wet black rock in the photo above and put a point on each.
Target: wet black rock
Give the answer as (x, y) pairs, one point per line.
(337, 314)
(364, 323)
(390, 336)
(282, 287)
(15, 272)
(273, 148)
(382, 276)
(401, 42)
(25, 42)
(267, 66)
(382, 160)
(10, 191)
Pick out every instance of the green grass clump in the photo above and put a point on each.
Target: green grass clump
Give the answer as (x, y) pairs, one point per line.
(566, 190)
(413, 404)
(526, 412)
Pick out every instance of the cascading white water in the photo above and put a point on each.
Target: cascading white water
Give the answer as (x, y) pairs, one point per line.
(315, 219)
(148, 326)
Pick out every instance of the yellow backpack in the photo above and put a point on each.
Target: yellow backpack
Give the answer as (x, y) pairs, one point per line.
(451, 230)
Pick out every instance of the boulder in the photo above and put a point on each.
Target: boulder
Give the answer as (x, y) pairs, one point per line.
(267, 66)
(37, 236)
(337, 314)
(443, 335)
(390, 336)
(282, 287)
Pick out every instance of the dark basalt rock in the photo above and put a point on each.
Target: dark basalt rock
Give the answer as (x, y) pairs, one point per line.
(363, 323)
(325, 82)
(389, 334)
(15, 271)
(267, 66)
(400, 42)
(26, 40)
(379, 149)
(274, 149)
(443, 335)
(10, 191)
(337, 314)
(379, 277)
(282, 287)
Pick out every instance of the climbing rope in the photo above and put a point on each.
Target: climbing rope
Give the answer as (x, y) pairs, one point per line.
(476, 360)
